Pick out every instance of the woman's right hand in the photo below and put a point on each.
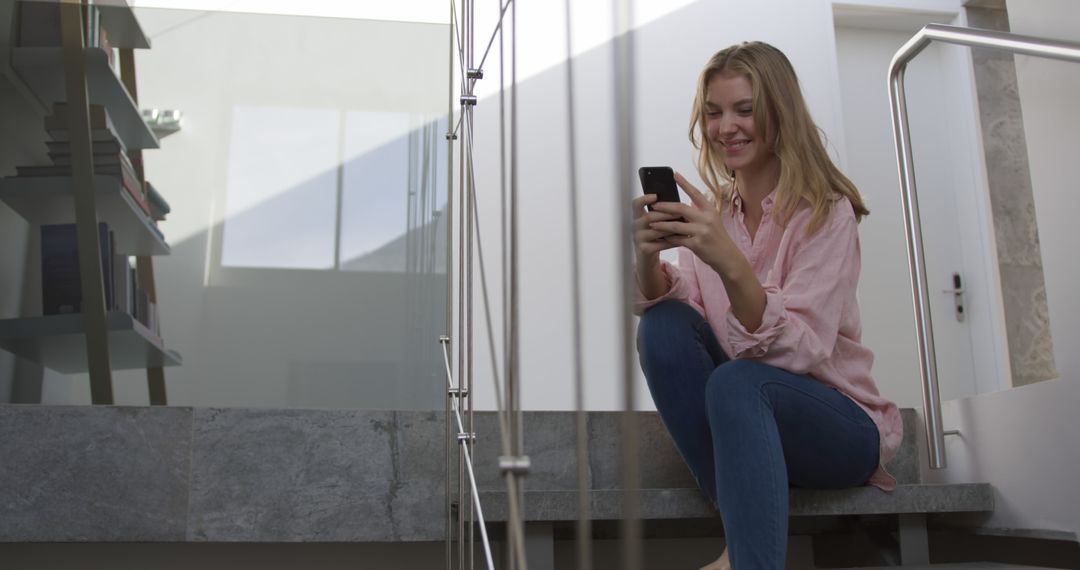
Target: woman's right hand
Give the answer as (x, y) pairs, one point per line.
(648, 243)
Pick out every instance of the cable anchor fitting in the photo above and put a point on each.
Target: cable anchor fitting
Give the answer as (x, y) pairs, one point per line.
(516, 465)
(468, 100)
(466, 437)
(458, 392)
(475, 74)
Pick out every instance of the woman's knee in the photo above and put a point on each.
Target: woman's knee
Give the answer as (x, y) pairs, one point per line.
(663, 321)
(666, 314)
(664, 332)
(734, 385)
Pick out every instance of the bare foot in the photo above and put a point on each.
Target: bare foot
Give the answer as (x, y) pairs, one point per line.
(721, 563)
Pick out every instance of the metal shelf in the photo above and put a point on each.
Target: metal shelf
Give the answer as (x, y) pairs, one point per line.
(49, 200)
(57, 342)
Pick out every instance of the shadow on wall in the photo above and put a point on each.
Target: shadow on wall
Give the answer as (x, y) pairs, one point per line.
(270, 331)
(331, 292)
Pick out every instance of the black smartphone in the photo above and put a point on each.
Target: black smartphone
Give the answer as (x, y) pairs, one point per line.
(659, 180)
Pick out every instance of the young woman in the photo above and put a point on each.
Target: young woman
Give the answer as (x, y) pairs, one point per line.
(751, 345)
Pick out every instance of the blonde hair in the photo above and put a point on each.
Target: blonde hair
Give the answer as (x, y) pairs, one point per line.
(780, 113)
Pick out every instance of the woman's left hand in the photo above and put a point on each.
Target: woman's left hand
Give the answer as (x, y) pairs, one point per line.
(703, 231)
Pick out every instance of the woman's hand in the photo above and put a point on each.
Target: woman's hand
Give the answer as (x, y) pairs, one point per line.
(703, 231)
(648, 243)
(704, 234)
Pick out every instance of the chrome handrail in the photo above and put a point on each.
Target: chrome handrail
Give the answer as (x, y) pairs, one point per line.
(1016, 43)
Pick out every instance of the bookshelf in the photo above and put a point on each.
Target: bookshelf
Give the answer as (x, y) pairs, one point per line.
(56, 341)
(43, 71)
(76, 65)
(45, 200)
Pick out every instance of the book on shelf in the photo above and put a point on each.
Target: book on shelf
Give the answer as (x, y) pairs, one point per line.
(102, 131)
(122, 171)
(141, 308)
(109, 155)
(96, 135)
(57, 148)
(123, 283)
(99, 119)
(61, 290)
(61, 281)
(102, 159)
(159, 208)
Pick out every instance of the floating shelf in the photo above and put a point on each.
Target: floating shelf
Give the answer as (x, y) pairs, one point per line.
(57, 342)
(49, 200)
(124, 29)
(43, 71)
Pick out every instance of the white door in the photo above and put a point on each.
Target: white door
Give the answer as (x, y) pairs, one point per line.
(957, 229)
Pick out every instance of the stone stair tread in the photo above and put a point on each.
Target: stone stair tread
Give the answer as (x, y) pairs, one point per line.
(959, 566)
(606, 504)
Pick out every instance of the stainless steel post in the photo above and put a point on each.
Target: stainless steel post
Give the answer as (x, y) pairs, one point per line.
(1016, 43)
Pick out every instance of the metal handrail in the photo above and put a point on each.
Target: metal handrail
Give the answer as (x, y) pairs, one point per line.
(1027, 45)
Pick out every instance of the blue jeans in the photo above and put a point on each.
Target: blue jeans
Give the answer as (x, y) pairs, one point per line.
(749, 430)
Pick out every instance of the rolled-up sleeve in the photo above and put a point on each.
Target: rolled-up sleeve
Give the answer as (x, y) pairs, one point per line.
(806, 303)
(682, 284)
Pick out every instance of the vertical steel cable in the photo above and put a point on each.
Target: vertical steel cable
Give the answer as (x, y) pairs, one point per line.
(624, 138)
(462, 277)
(517, 511)
(464, 310)
(449, 272)
(504, 226)
(584, 524)
(471, 443)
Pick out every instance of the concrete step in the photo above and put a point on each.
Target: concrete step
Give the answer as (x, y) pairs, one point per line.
(178, 474)
(958, 566)
(551, 444)
(659, 504)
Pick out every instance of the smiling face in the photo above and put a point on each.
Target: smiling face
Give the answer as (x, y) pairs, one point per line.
(730, 124)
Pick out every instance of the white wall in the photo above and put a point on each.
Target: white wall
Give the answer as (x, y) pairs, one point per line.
(670, 50)
(1023, 441)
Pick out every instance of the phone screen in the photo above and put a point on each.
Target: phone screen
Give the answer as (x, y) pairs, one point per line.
(659, 180)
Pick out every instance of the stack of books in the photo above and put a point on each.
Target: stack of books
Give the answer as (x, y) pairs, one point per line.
(110, 155)
(61, 283)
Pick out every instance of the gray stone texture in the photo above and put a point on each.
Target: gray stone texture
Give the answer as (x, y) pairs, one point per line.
(101, 474)
(316, 475)
(658, 504)
(1016, 229)
(550, 441)
(158, 474)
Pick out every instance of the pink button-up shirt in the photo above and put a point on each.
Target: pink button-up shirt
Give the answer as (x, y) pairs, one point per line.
(811, 320)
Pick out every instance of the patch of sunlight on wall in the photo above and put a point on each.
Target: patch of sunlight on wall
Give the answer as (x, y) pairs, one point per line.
(541, 25)
(542, 31)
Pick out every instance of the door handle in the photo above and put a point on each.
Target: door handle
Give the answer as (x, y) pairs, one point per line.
(957, 292)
